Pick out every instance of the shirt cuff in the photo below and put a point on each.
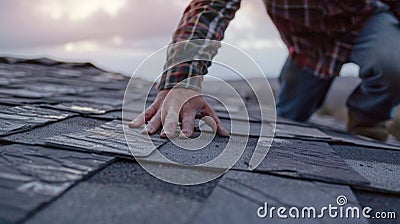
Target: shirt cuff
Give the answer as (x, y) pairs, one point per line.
(186, 75)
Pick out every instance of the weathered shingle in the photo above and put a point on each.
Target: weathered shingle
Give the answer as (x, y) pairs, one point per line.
(46, 104)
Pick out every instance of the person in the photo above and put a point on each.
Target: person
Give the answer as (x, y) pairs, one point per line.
(320, 36)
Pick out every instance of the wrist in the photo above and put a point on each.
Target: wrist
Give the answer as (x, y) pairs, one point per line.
(193, 82)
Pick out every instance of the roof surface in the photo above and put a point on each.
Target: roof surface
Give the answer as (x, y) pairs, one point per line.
(58, 163)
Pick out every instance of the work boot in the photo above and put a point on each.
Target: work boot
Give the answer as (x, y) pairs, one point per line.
(394, 128)
(369, 129)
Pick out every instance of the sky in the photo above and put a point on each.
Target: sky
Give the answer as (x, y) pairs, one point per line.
(119, 34)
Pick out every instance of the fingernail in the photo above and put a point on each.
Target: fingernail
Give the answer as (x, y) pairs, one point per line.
(224, 133)
(133, 124)
(184, 135)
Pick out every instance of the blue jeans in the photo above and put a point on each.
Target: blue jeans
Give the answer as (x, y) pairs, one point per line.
(376, 51)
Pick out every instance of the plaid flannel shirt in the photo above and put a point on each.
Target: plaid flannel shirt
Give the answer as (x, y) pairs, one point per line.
(318, 33)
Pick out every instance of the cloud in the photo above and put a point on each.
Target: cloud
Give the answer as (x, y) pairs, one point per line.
(26, 23)
(77, 10)
(119, 33)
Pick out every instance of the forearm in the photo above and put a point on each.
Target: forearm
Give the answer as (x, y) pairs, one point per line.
(203, 19)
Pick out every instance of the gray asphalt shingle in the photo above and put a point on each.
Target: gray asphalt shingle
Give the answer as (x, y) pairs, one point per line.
(109, 138)
(131, 195)
(379, 166)
(31, 176)
(22, 118)
(239, 195)
(38, 135)
(79, 108)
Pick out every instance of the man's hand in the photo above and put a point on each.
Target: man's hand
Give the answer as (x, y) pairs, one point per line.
(177, 105)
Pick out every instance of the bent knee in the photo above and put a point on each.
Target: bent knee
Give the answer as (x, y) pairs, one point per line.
(390, 71)
(386, 64)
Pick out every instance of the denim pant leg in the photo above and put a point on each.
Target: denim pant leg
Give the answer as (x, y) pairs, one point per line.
(377, 52)
(301, 93)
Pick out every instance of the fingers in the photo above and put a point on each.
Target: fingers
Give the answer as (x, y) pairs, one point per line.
(143, 117)
(188, 119)
(138, 121)
(169, 113)
(170, 125)
(210, 122)
(216, 122)
(153, 125)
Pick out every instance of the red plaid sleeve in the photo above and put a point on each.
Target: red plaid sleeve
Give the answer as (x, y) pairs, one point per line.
(202, 19)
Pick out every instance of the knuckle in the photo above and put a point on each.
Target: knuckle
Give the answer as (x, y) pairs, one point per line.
(157, 116)
(169, 121)
(172, 115)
